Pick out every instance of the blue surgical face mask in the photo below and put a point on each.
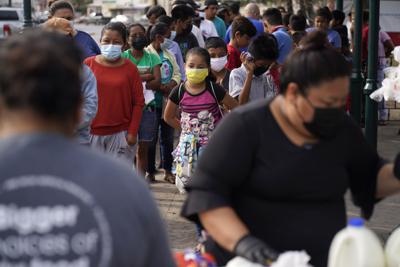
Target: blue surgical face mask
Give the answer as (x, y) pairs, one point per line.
(167, 44)
(173, 35)
(111, 52)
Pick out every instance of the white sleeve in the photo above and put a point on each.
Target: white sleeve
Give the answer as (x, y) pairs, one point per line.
(197, 33)
(213, 29)
(236, 83)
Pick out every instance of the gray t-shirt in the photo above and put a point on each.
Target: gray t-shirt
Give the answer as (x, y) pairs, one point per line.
(262, 87)
(64, 205)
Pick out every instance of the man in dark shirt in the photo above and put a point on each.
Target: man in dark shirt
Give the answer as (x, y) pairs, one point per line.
(183, 16)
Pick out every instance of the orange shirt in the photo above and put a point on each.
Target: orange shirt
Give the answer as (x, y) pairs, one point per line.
(121, 100)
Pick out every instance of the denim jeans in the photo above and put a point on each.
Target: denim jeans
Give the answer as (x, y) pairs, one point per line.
(166, 135)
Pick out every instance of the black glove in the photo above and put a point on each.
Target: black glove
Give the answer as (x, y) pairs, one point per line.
(255, 250)
(396, 169)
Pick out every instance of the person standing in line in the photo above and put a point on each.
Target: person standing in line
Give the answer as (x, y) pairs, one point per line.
(224, 13)
(210, 11)
(337, 25)
(206, 26)
(183, 16)
(173, 46)
(170, 78)
(252, 81)
(299, 155)
(64, 9)
(65, 192)
(195, 26)
(297, 28)
(252, 12)
(234, 7)
(273, 24)
(120, 92)
(89, 83)
(198, 100)
(148, 65)
(154, 13)
(322, 19)
(216, 47)
(242, 32)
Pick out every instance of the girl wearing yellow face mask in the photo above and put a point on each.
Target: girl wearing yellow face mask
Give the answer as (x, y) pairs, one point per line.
(198, 100)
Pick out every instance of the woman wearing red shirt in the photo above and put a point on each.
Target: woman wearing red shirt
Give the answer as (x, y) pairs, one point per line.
(115, 127)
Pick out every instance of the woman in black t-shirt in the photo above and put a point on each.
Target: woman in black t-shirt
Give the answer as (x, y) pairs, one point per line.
(274, 175)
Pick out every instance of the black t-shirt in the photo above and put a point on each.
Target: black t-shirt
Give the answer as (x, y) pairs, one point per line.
(289, 196)
(186, 42)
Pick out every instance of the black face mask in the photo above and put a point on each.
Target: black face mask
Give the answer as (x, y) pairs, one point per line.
(327, 122)
(187, 31)
(139, 42)
(260, 70)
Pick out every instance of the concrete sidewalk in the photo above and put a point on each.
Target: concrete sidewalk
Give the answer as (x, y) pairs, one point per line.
(182, 233)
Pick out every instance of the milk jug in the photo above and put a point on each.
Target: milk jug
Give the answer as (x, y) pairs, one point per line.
(356, 246)
(392, 249)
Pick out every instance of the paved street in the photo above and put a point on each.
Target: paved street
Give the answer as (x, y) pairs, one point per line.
(182, 233)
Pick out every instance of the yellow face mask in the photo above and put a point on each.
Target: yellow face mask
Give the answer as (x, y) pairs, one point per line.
(196, 76)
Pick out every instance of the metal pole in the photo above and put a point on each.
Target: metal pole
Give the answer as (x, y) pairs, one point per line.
(356, 75)
(371, 107)
(10, 3)
(339, 4)
(27, 14)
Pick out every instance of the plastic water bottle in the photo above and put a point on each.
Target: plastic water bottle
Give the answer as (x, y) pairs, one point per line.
(356, 246)
(392, 249)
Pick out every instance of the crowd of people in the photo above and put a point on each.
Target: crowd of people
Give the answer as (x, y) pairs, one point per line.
(263, 178)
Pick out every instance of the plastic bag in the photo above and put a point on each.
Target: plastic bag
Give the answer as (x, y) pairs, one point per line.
(286, 259)
(293, 259)
(390, 90)
(396, 53)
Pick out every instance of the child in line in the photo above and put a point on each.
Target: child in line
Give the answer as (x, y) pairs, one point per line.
(321, 22)
(149, 70)
(297, 28)
(216, 47)
(242, 32)
(251, 81)
(170, 78)
(198, 101)
(120, 96)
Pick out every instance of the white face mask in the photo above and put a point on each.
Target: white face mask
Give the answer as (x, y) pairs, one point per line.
(167, 44)
(173, 35)
(111, 52)
(217, 64)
